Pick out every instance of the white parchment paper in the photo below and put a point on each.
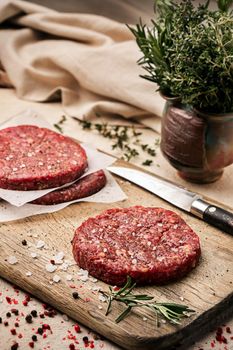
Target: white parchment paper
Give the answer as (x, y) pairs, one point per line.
(109, 194)
(96, 159)
(15, 204)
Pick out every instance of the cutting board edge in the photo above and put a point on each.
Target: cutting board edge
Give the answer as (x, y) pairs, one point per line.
(184, 336)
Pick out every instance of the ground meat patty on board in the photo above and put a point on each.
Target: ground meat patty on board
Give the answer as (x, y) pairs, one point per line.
(152, 245)
(33, 158)
(85, 187)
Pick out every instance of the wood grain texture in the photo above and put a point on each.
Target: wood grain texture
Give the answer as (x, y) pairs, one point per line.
(207, 289)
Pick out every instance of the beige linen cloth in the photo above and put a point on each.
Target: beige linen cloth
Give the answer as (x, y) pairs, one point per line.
(87, 61)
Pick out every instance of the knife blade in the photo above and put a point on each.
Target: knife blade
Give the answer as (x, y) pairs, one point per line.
(179, 197)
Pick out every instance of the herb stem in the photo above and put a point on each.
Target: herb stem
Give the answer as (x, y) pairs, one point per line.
(174, 313)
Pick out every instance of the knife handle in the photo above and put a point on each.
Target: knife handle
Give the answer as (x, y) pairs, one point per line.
(219, 218)
(213, 215)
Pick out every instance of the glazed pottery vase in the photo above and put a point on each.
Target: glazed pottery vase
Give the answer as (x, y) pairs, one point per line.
(198, 145)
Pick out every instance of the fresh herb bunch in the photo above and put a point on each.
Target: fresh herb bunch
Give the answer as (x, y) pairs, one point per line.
(174, 313)
(188, 52)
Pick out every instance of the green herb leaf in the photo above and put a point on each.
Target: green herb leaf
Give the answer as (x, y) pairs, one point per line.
(123, 137)
(224, 5)
(188, 52)
(59, 123)
(172, 312)
(147, 162)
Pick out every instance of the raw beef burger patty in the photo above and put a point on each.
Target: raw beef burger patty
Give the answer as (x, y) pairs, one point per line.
(152, 245)
(33, 158)
(84, 187)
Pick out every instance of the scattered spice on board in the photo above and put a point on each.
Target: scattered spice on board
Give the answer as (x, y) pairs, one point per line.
(43, 330)
(36, 327)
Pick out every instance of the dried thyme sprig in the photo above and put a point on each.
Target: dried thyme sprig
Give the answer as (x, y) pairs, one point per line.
(59, 123)
(124, 138)
(172, 312)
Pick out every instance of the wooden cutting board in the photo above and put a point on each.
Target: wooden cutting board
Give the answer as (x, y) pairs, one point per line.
(208, 289)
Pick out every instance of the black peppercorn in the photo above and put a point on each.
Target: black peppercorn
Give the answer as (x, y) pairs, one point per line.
(40, 330)
(75, 295)
(28, 318)
(34, 313)
(24, 242)
(85, 339)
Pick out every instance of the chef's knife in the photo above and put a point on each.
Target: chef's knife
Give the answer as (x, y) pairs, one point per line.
(179, 196)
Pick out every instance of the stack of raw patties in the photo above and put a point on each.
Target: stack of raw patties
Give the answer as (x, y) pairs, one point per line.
(34, 158)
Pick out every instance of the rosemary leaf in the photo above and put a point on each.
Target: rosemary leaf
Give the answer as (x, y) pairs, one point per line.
(123, 314)
(172, 312)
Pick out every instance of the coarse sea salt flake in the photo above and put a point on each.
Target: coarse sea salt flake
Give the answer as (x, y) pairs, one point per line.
(83, 278)
(96, 288)
(56, 278)
(92, 279)
(69, 277)
(34, 255)
(40, 244)
(102, 298)
(59, 256)
(82, 272)
(28, 274)
(12, 260)
(65, 317)
(144, 318)
(50, 267)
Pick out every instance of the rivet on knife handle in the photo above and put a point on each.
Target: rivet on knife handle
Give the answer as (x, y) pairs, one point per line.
(213, 215)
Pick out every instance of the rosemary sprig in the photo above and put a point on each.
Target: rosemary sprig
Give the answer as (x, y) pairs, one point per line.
(172, 312)
(125, 138)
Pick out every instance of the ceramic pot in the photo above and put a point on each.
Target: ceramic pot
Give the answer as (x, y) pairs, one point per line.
(197, 144)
